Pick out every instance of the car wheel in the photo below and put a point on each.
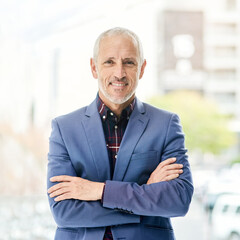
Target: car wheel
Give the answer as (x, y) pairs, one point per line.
(234, 236)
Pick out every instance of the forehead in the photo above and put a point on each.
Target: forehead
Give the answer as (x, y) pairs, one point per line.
(118, 46)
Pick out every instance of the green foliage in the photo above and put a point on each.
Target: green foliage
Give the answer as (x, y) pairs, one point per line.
(236, 160)
(205, 128)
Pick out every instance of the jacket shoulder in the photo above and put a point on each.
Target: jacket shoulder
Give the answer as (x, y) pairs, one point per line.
(71, 117)
(152, 110)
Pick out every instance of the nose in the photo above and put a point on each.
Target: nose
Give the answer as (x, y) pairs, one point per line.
(119, 71)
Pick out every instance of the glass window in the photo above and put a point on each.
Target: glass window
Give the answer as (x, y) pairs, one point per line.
(225, 208)
(238, 210)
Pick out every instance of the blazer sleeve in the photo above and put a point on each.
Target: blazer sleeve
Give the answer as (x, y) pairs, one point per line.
(165, 199)
(75, 213)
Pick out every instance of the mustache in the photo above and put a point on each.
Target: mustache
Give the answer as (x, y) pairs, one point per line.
(116, 79)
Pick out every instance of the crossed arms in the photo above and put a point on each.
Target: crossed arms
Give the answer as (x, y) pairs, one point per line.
(74, 200)
(82, 189)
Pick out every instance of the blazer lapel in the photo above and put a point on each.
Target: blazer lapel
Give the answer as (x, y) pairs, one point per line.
(96, 140)
(135, 128)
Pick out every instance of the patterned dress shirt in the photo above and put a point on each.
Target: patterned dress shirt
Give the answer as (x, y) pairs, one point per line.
(114, 129)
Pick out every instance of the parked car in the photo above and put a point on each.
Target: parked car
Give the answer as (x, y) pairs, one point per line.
(226, 218)
(225, 182)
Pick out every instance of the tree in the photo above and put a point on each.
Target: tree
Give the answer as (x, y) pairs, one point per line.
(206, 129)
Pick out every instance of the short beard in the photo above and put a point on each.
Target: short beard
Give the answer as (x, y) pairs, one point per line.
(113, 99)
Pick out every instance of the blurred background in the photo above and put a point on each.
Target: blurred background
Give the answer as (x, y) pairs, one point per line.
(193, 68)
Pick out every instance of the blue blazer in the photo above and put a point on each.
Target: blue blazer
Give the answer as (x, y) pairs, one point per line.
(133, 209)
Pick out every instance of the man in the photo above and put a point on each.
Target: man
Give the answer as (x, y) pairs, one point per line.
(117, 168)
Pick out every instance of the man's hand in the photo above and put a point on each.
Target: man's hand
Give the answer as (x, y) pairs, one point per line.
(166, 170)
(78, 188)
(75, 188)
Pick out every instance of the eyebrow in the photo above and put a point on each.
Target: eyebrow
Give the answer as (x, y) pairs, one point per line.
(128, 58)
(109, 58)
(132, 59)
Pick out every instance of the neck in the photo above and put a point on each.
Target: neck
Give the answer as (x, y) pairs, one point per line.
(116, 108)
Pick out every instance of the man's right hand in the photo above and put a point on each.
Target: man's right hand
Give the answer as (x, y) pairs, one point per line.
(166, 170)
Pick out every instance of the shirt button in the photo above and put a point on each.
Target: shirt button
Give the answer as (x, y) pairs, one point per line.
(111, 113)
(116, 126)
(104, 117)
(116, 156)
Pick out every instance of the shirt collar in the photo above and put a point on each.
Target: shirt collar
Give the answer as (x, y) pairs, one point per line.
(104, 110)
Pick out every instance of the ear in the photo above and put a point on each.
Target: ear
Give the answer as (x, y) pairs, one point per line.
(93, 68)
(142, 68)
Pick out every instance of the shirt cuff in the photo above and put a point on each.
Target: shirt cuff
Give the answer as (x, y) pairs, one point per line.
(103, 193)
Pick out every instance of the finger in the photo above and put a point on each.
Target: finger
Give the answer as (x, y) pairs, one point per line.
(163, 173)
(61, 178)
(173, 166)
(172, 172)
(169, 161)
(63, 197)
(56, 187)
(171, 177)
(166, 162)
(59, 192)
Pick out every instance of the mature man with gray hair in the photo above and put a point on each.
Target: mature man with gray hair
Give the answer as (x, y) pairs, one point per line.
(117, 168)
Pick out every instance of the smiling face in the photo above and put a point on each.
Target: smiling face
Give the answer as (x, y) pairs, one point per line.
(118, 69)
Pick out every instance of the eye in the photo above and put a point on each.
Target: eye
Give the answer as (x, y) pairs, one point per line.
(129, 62)
(108, 62)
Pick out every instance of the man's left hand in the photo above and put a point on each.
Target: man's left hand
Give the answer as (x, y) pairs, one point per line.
(75, 188)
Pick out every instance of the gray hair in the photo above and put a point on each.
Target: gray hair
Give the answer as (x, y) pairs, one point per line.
(123, 32)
